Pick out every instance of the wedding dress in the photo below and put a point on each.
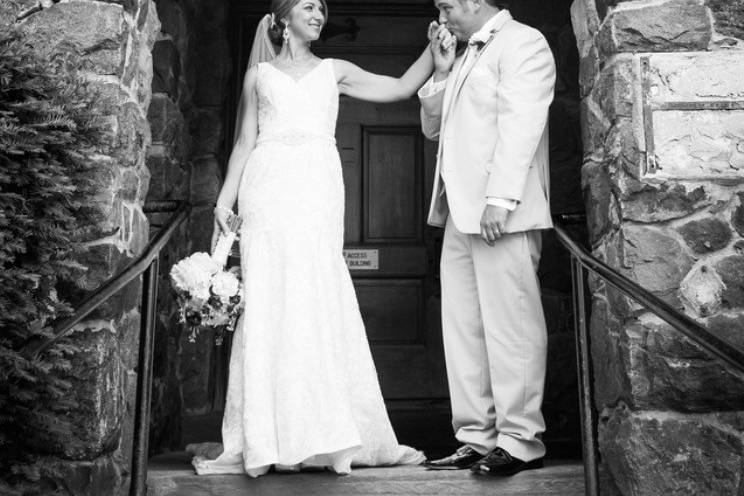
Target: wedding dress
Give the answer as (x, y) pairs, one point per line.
(302, 387)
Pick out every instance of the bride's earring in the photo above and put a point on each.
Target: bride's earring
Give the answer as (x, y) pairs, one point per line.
(285, 34)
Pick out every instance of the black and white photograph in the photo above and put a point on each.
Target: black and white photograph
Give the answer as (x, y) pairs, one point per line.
(371, 247)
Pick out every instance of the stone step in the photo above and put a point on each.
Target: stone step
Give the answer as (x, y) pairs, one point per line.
(172, 475)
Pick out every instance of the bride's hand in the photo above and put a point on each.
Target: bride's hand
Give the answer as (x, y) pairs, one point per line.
(442, 44)
(220, 225)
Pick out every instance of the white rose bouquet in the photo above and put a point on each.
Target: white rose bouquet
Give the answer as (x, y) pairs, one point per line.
(208, 295)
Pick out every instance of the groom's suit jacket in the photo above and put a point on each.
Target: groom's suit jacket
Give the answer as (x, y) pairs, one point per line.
(492, 131)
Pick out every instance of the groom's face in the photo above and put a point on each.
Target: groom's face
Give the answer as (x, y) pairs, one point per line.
(458, 16)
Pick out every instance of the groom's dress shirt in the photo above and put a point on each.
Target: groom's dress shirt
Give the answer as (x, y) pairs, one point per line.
(475, 44)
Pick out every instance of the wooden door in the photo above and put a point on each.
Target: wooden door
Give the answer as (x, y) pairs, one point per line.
(388, 168)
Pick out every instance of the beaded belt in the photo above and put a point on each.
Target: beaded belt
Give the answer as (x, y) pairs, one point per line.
(296, 139)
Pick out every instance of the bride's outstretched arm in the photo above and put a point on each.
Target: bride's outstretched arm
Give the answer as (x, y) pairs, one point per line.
(358, 83)
(245, 141)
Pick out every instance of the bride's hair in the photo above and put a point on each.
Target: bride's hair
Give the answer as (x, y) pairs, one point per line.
(281, 9)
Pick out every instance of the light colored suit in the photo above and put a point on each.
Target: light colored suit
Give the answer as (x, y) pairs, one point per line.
(492, 131)
(491, 122)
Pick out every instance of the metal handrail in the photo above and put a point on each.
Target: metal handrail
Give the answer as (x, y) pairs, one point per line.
(582, 260)
(719, 348)
(147, 265)
(114, 285)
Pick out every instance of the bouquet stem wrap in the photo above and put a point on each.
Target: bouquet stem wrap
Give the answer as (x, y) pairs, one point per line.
(225, 241)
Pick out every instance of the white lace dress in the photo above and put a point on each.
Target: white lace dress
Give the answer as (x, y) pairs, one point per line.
(302, 389)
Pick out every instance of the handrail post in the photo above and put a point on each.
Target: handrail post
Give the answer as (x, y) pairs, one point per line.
(138, 484)
(589, 444)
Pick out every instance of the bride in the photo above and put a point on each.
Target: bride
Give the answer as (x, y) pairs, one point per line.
(302, 390)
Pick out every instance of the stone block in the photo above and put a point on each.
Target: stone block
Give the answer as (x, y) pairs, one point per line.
(104, 260)
(98, 477)
(702, 290)
(694, 77)
(169, 179)
(206, 131)
(668, 26)
(731, 270)
(138, 232)
(166, 121)
(669, 372)
(149, 24)
(166, 68)
(609, 355)
(133, 135)
(95, 377)
(126, 446)
(728, 327)
(706, 235)
(127, 334)
(144, 78)
(130, 6)
(614, 90)
(132, 62)
(206, 180)
(729, 17)
(172, 19)
(134, 183)
(737, 216)
(648, 202)
(705, 144)
(589, 68)
(143, 13)
(96, 30)
(585, 22)
(655, 260)
(601, 206)
(650, 453)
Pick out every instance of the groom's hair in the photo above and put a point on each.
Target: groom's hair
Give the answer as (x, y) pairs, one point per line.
(502, 4)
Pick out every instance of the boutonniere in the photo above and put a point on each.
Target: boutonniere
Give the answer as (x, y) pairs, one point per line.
(481, 40)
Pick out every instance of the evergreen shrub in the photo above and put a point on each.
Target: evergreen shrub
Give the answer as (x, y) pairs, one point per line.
(50, 130)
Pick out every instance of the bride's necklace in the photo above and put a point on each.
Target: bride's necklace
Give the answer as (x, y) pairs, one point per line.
(297, 67)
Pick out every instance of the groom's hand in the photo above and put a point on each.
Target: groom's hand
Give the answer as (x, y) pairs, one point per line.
(493, 223)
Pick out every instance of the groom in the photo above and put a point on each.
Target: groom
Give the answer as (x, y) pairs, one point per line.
(488, 107)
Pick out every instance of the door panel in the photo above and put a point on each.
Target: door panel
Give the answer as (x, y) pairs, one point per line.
(392, 196)
(387, 165)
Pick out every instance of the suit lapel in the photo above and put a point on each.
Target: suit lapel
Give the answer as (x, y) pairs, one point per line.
(449, 87)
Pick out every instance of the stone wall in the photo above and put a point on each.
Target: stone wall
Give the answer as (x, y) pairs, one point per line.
(663, 180)
(191, 66)
(114, 38)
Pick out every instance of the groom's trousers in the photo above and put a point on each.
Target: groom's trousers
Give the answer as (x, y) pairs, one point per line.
(495, 340)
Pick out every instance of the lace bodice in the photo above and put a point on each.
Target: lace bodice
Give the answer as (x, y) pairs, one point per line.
(297, 111)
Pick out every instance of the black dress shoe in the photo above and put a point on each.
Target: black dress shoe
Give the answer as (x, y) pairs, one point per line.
(500, 462)
(464, 457)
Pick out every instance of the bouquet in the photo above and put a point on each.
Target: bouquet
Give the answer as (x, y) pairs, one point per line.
(207, 294)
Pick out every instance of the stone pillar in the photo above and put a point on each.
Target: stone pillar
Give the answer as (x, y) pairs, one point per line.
(663, 177)
(191, 63)
(114, 38)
